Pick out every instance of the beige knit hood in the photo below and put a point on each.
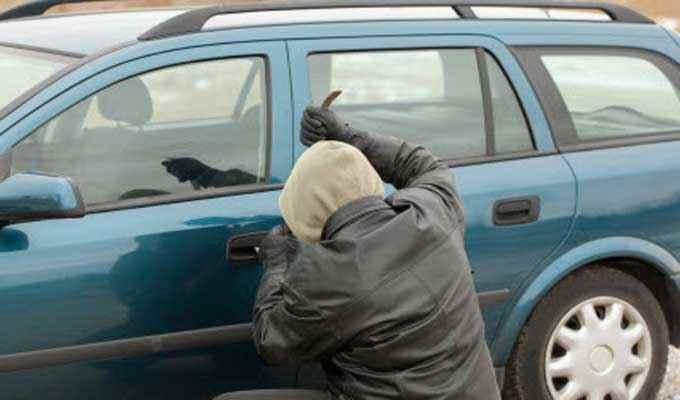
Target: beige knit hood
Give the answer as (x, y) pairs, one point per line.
(327, 176)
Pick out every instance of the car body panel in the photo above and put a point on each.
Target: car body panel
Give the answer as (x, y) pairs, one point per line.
(657, 44)
(580, 253)
(131, 271)
(493, 250)
(644, 189)
(675, 35)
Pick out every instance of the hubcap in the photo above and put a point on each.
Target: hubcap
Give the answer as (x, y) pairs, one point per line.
(600, 350)
(601, 359)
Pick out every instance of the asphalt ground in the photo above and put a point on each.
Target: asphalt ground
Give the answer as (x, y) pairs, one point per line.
(671, 385)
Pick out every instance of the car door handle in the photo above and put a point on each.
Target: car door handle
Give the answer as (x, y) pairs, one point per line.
(245, 248)
(517, 210)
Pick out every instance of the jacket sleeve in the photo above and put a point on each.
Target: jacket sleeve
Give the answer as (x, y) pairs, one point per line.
(288, 328)
(414, 171)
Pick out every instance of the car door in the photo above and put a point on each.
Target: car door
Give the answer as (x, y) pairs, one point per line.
(621, 113)
(465, 98)
(148, 295)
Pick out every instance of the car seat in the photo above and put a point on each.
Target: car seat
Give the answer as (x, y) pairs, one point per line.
(110, 162)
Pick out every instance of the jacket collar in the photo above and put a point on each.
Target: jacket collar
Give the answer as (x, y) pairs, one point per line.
(350, 212)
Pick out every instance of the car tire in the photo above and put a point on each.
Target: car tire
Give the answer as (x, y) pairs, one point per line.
(591, 353)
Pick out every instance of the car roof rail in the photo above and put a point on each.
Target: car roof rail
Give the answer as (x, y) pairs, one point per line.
(194, 20)
(36, 7)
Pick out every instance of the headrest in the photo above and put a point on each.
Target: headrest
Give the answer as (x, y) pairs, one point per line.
(127, 101)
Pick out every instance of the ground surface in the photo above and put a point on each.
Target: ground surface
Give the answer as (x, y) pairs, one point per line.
(671, 385)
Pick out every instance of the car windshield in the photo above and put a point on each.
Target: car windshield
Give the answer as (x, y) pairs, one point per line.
(23, 69)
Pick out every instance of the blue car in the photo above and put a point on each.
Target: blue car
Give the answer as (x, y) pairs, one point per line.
(121, 279)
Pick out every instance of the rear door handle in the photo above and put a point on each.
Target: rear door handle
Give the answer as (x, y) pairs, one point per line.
(517, 210)
(245, 248)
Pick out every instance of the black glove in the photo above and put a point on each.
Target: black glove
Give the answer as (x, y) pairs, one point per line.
(278, 248)
(185, 168)
(323, 124)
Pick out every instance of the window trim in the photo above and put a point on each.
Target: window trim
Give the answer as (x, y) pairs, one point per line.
(205, 194)
(149, 201)
(487, 102)
(480, 52)
(522, 108)
(555, 108)
(69, 57)
(519, 155)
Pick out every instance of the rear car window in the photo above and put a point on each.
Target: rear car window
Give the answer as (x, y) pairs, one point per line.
(615, 95)
(116, 144)
(432, 97)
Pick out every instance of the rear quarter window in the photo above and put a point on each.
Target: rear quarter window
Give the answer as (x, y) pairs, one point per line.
(606, 95)
(615, 95)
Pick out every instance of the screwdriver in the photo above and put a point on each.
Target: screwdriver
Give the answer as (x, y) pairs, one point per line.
(331, 98)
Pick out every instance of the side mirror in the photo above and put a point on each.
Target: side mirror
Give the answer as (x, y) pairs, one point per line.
(35, 196)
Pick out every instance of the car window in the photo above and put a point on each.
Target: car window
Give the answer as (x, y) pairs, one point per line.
(614, 95)
(511, 131)
(157, 133)
(23, 69)
(206, 81)
(349, 72)
(432, 97)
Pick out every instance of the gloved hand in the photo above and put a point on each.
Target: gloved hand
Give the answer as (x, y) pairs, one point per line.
(278, 247)
(323, 124)
(185, 168)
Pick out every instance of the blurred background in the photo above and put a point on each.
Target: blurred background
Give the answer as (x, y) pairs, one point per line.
(666, 12)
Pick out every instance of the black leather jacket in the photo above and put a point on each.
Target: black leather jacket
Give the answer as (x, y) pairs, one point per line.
(386, 301)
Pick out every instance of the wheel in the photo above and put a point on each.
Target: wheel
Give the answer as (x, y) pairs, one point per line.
(600, 334)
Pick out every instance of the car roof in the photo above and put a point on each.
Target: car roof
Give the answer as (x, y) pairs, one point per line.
(82, 34)
(87, 33)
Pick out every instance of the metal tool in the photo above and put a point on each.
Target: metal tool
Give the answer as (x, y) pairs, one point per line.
(331, 98)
